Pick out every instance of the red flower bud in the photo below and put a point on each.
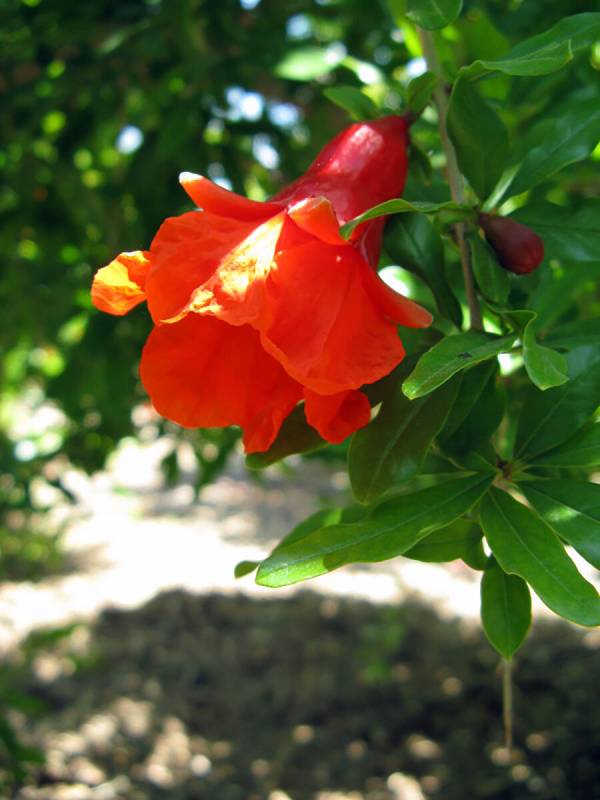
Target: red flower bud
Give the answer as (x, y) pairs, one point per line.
(518, 248)
(258, 306)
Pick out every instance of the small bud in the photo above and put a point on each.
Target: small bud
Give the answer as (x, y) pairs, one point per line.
(518, 248)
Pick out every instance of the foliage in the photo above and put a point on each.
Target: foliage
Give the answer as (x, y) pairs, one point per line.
(105, 104)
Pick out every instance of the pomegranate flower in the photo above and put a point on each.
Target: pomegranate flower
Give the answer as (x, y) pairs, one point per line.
(258, 306)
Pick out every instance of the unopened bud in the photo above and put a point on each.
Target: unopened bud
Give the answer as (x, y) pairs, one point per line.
(519, 249)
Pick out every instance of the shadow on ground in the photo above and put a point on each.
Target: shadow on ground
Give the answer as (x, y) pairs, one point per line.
(232, 698)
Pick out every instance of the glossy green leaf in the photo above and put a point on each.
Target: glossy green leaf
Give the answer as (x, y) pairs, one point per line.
(553, 143)
(433, 14)
(400, 206)
(546, 368)
(582, 450)
(479, 136)
(352, 100)
(525, 545)
(478, 425)
(546, 59)
(492, 279)
(295, 436)
(505, 609)
(419, 92)
(575, 334)
(458, 540)
(550, 418)
(580, 30)
(570, 235)
(451, 355)
(390, 529)
(391, 449)
(473, 384)
(572, 508)
(307, 63)
(413, 243)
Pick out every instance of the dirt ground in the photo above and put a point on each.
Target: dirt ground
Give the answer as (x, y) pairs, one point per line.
(173, 680)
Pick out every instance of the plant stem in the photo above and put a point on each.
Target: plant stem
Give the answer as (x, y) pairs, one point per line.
(455, 179)
(507, 703)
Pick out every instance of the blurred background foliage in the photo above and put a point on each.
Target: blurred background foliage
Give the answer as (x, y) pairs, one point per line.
(103, 104)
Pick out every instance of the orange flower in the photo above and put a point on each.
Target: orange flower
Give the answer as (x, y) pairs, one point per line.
(258, 306)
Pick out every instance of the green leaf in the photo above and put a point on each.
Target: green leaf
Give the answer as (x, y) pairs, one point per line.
(546, 368)
(400, 206)
(390, 529)
(307, 63)
(550, 418)
(451, 355)
(546, 59)
(419, 92)
(492, 279)
(583, 450)
(480, 137)
(473, 383)
(392, 448)
(572, 508)
(433, 14)
(505, 609)
(295, 436)
(553, 143)
(575, 334)
(413, 243)
(458, 540)
(351, 99)
(525, 545)
(477, 427)
(556, 291)
(570, 235)
(243, 568)
(580, 30)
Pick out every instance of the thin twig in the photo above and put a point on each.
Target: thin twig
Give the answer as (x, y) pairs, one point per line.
(455, 178)
(507, 709)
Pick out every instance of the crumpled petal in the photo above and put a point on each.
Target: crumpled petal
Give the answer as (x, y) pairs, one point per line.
(322, 324)
(315, 215)
(336, 416)
(398, 308)
(119, 287)
(209, 264)
(217, 200)
(203, 373)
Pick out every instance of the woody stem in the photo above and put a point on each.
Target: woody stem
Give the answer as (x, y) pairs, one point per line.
(455, 179)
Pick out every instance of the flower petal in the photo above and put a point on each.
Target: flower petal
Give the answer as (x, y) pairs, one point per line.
(208, 253)
(315, 215)
(216, 200)
(395, 306)
(119, 286)
(202, 373)
(322, 324)
(336, 416)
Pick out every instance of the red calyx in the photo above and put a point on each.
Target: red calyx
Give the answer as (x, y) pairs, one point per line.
(519, 249)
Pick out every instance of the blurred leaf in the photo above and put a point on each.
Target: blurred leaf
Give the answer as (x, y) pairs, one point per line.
(390, 529)
(307, 63)
(419, 92)
(549, 58)
(413, 243)
(358, 105)
(582, 450)
(526, 546)
(572, 236)
(572, 508)
(451, 355)
(433, 14)
(505, 609)
(392, 447)
(480, 137)
(492, 279)
(554, 142)
(575, 334)
(243, 568)
(550, 418)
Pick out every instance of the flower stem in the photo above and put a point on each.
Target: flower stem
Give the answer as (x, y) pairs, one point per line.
(455, 179)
